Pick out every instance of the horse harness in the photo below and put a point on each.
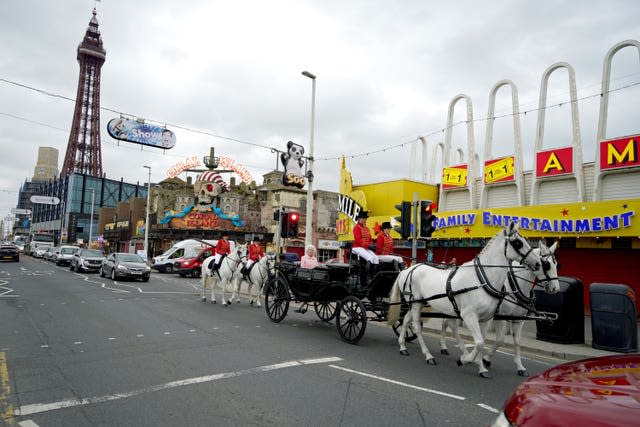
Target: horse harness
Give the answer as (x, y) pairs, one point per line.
(485, 283)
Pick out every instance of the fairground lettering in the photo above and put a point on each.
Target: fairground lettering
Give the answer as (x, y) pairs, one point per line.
(175, 170)
(348, 206)
(583, 225)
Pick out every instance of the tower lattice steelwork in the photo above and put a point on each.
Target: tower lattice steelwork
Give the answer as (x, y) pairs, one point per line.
(84, 153)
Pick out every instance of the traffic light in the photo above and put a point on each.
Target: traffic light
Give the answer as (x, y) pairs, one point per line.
(292, 224)
(284, 225)
(404, 228)
(427, 218)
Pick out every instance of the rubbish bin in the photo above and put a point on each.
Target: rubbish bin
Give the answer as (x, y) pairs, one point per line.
(568, 303)
(613, 317)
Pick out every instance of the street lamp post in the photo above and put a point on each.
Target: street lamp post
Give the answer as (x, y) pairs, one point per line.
(146, 223)
(309, 228)
(93, 193)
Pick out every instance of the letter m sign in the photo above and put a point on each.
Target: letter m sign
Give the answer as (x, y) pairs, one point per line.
(619, 153)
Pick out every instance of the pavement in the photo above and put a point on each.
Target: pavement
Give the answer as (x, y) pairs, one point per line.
(529, 343)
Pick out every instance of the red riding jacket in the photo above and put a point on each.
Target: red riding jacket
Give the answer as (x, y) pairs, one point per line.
(361, 237)
(223, 247)
(255, 251)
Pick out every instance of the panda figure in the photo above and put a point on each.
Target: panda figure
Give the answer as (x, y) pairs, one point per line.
(292, 161)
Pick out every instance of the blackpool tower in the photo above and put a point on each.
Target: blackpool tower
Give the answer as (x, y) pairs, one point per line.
(84, 154)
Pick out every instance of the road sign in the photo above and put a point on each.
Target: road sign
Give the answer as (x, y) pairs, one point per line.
(17, 211)
(45, 200)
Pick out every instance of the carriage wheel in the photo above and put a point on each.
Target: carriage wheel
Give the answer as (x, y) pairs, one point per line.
(276, 299)
(326, 311)
(351, 319)
(411, 334)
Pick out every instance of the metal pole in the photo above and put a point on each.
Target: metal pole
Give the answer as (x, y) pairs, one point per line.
(309, 226)
(93, 193)
(146, 223)
(414, 231)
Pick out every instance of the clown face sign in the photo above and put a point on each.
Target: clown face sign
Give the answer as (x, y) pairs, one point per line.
(293, 163)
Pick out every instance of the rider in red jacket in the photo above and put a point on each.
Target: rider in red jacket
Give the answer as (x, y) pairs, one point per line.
(223, 248)
(256, 252)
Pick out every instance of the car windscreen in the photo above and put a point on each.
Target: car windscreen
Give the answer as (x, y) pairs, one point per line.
(68, 250)
(191, 252)
(91, 253)
(129, 258)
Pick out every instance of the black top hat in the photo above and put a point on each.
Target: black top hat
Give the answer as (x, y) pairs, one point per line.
(386, 224)
(224, 233)
(256, 238)
(362, 214)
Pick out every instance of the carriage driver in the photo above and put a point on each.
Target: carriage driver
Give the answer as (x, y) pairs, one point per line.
(384, 247)
(361, 243)
(223, 248)
(255, 254)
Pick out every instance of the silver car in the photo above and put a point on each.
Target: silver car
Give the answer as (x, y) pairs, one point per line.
(86, 260)
(123, 264)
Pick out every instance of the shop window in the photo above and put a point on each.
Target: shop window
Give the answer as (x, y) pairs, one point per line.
(624, 243)
(326, 254)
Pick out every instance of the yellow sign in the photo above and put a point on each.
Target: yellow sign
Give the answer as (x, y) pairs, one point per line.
(454, 177)
(614, 218)
(498, 170)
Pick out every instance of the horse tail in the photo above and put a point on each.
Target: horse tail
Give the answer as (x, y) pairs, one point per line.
(394, 301)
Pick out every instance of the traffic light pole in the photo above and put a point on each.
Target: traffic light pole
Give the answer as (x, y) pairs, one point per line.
(414, 231)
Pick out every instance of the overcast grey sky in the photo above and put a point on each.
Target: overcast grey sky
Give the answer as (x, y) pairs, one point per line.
(386, 73)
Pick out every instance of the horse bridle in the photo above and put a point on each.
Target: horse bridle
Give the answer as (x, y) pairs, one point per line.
(517, 245)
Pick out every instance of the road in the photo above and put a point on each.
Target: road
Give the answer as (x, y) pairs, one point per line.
(80, 350)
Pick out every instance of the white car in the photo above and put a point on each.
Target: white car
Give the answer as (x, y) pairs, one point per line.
(40, 251)
(66, 254)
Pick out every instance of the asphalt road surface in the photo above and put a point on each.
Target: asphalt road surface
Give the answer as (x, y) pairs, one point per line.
(80, 350)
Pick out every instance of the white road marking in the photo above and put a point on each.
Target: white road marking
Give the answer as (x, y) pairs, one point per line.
(488, 408)
(37, 408)
(111, 339)
(77, 343)
(27, 423)
(400, 383)
(139, 335)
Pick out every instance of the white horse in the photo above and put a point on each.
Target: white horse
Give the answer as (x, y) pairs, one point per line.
(468, 292)
(258, 276)
(224, 275)
(519, 302)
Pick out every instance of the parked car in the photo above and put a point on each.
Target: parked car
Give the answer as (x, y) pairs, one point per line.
(66, 254)
(9, 252)
(39, 251)
(51, 253)
(191, 263)
(599, 391)
(125, 265)
(86, 260)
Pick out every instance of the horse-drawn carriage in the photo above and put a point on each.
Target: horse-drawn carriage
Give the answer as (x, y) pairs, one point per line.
(336, 290)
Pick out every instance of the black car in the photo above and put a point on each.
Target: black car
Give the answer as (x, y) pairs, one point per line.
(86, 260)
(123, 264)
(9, 252)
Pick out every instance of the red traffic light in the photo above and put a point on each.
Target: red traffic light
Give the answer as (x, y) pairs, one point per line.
(293, 216)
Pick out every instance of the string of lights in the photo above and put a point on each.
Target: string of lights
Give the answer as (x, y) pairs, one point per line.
(274, 149)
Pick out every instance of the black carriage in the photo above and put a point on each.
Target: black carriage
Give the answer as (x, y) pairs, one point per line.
(342, 291)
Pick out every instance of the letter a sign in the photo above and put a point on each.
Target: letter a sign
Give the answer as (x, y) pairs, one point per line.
(558, 161)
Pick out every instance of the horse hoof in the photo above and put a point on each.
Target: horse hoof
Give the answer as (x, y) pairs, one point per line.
(485, 374)
(459, 362)
(432, 362)
(213, 302)
(404, 352)
(523, 372)
(486, 363)
(238, 301)
(204, 300)
(444, 351)
(250, 302)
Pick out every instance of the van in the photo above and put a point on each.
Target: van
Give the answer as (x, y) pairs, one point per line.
(165, 263)
(191, 263)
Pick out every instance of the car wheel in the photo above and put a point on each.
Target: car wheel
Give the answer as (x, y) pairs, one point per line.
(101, 272)
(71, 267)
(168, 268)
(145, 279)
(113, 274)
(195, 273)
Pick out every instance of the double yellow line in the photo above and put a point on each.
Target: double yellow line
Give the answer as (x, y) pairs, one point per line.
(6, 410)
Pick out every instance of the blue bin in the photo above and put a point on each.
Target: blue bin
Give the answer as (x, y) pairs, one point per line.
(614, 326)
